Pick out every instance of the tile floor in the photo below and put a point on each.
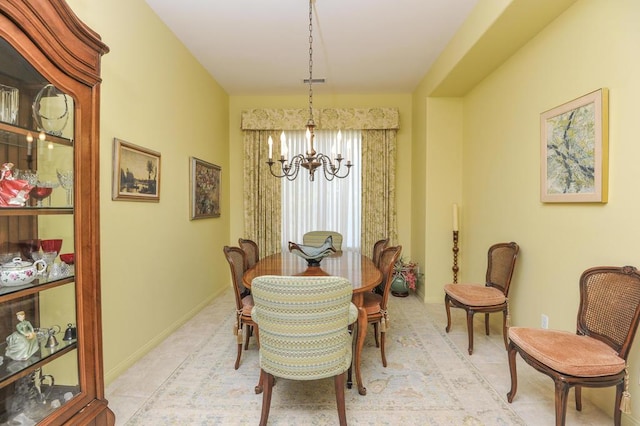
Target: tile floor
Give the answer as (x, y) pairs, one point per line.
(534, 401)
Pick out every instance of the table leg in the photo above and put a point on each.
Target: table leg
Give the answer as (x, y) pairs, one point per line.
(358, 300)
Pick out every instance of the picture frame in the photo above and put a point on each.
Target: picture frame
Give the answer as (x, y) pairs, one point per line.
(205, 189)
(574, 149)
(136, 173)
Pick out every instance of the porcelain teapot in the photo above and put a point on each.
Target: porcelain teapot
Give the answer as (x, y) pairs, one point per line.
(19, 272)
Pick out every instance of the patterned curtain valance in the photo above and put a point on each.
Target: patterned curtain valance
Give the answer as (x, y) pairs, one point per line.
(327, 119)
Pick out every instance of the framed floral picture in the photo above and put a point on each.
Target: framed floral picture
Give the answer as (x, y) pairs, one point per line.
(136, 173)
(205, 189)
(574, 150)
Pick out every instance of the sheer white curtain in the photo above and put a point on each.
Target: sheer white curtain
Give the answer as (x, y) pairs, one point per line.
(323, 205)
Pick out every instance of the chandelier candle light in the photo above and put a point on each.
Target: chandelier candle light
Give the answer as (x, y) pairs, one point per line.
(312, 159)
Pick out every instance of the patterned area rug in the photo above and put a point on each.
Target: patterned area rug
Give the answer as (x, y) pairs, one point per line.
(428, 381)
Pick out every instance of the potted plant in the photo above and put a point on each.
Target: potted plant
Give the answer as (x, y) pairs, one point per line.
(405, 277)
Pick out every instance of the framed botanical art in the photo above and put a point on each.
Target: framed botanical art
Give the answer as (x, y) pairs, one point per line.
(205, 189)
(136, 173)
(574, 150)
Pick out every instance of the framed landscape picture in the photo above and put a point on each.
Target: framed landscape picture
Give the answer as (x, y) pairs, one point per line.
(574, 150)
(136, 172)
(205, 189)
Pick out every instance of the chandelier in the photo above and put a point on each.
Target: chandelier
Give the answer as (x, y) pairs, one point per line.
(312, 160)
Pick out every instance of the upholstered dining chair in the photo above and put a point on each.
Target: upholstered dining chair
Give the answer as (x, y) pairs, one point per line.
(376, 304)
(317, 238)
(596, 355)
(490, 298)
(250, 248)
(304, 332)
(244, 325)
(378, 246)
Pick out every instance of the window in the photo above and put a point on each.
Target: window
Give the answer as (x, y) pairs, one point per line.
(323, 205)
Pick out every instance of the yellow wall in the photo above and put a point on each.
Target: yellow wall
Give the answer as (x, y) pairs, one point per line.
(469, 137)
(587, 47)
(158, 267)
(403, 171)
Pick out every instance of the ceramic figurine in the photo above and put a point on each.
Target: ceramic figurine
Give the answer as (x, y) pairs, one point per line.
(23, 342)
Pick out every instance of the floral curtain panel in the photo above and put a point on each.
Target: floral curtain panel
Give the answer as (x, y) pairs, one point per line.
(262, 191)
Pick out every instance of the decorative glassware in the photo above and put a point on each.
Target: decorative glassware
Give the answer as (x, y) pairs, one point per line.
(9, 101)
(51, 110)
(66, 180)
(42, 191)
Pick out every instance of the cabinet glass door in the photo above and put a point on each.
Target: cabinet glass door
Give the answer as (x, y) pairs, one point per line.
(38, 336)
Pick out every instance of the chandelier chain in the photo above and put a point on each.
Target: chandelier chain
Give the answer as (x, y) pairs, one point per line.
(311, 61)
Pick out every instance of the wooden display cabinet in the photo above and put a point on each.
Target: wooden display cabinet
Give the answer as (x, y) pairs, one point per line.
(49, 128)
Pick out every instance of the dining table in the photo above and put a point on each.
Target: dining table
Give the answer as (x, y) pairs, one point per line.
(350, 264)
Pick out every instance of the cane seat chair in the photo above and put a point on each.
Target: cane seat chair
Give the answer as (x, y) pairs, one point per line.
(376, 304)
(250, 248)
(378, 246)
(490, 298)
(596, 355)
(317, 238)
(244, 326)
(304, 332)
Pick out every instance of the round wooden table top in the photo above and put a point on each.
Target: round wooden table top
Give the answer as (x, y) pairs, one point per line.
(352, 265)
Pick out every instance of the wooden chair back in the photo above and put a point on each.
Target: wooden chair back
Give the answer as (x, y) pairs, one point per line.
(251, 250)
(501, 264)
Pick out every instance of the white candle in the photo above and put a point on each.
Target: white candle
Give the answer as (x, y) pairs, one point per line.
(283, 145)
(270, 148)
(339, 142)
(308, 136)
(29, 143)
(455, 217)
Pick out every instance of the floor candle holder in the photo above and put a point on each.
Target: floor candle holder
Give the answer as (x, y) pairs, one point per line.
(455, 257)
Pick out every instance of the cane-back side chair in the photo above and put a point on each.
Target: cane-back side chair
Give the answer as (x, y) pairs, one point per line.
(244, 325)
(304, 331)
(490, 298)
(250, 248)
(594, 356)
(376, 304)
(377, 251)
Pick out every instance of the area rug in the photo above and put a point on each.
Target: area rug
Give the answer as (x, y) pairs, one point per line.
(427, 381)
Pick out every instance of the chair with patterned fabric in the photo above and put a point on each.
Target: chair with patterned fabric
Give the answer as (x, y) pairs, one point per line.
(251, 250)
(244, 325)
(317, 238)
(377, 251)
(376, 304)
(596, 354)
(492, 297)
(304, 331)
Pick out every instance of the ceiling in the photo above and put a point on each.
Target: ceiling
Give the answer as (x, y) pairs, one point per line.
(359, 46)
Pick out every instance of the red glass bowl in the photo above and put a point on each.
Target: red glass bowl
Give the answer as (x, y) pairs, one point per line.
(68, 258)
(51, 245)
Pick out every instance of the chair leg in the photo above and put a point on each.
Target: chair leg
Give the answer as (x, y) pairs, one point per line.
(486, 324)
(260, 386)
(266, 398)
(376, 333)
(617, 412)
(504, 328)
(239, 355)
(562, 392)
(470, 329)
(511, 355)
(384, 357)
(247, 335)
(339, 385)
(578, 391)
(446, 307)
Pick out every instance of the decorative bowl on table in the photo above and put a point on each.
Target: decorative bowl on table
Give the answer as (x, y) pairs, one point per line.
(68, 258)
(313, 255)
